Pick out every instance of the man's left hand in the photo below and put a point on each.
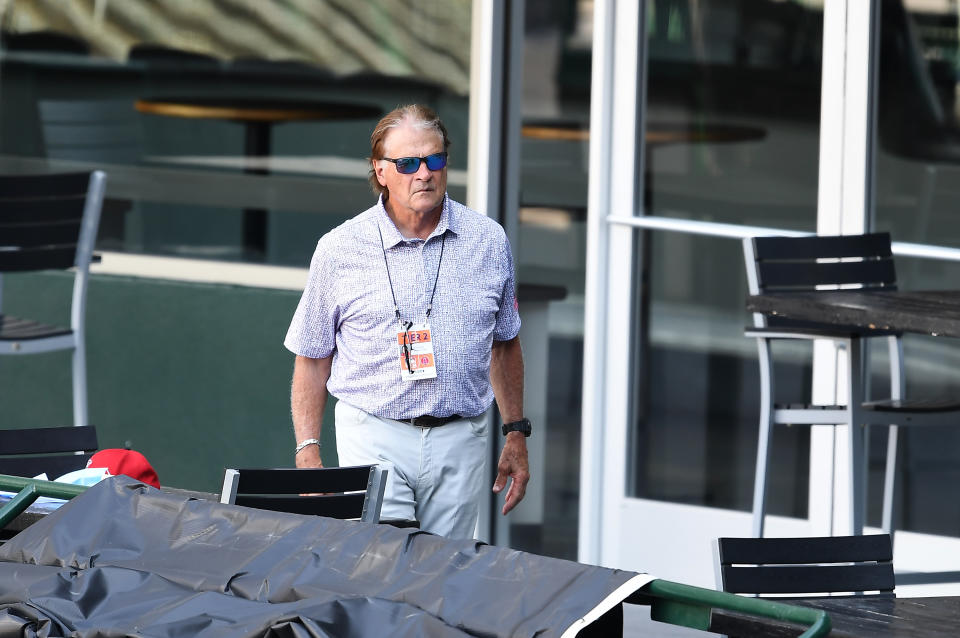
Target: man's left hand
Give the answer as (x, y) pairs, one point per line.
(513, 464)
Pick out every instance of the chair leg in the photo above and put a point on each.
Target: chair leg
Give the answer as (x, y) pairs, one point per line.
(890, 475)
(889, 480)
(763, 437)
(80, 383)
(857, 437)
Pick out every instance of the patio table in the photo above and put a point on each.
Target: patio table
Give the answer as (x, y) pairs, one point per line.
(930, 312)
(934, 312)
(857, 617)
(259, 116)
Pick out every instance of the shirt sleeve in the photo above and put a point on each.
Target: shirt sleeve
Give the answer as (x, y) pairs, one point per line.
(312, 332)
(507, 324)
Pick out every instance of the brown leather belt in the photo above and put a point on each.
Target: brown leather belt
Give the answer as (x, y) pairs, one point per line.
(428, 421)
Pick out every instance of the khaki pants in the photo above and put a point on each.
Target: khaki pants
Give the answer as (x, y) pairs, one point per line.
(436, 475)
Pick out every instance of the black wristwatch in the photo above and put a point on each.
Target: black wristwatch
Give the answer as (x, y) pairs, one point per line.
(523, 425)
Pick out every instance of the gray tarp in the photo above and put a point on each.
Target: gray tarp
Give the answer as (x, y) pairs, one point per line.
(124, 559)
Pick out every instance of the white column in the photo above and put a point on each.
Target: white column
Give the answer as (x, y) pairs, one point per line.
(615, 188)
(844, 206)
(493, 161)
(595, 295)
(484, 147)
(486, 99)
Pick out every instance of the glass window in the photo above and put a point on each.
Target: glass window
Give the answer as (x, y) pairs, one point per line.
(230, 130)
(551, 265)
(918, 163)
(733, 110)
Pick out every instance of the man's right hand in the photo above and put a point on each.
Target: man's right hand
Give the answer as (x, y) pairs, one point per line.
(310, 459)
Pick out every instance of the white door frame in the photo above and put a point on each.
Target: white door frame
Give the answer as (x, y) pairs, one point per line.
(615, 188)
(493, 161)
(845, 206)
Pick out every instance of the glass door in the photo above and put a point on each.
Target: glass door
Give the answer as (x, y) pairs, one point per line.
(918, 165)
(732, 129)
(743, 128)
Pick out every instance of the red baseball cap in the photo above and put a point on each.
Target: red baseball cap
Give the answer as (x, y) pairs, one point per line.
(127, 462)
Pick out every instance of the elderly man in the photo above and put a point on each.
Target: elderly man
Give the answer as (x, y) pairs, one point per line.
(410, 319)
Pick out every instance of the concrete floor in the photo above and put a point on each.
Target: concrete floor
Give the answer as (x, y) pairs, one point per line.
(637, 624)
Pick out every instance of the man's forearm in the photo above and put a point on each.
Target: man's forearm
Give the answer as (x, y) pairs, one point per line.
(308, 399)
(506, 377)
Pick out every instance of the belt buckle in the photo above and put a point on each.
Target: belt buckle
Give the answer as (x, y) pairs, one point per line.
(429, 421)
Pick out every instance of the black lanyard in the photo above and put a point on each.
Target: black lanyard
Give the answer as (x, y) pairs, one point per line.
(396, 308)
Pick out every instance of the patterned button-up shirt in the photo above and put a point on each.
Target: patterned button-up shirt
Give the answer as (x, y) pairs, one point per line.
(347, 310)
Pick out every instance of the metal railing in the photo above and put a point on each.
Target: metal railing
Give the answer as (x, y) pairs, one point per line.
(737, 231)
(29, 490)
(690, 606)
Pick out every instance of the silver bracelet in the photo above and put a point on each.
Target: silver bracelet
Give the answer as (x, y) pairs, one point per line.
(305, 443)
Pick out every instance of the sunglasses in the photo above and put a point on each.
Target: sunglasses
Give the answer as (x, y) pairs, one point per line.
(408, 165)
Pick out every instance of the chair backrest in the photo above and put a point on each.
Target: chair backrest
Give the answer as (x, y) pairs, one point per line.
(103, 131)
(50, 221)
(45, 41)
(337, 492)
(815, 262)
(160, 54)
(29, 452)
(807, 565)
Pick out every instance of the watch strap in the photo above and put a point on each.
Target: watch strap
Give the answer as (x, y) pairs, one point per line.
(523, 426)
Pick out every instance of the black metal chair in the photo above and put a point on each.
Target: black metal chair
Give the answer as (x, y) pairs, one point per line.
(44, 41)
(54, 451)
(810, 263)
(806, 565)
(49, 222)
(161, 55)
(336, 492)
(100, 133)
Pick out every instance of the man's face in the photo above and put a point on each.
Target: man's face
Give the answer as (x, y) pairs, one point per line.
(420, 192)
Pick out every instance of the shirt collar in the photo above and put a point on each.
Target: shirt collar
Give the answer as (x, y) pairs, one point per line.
(449, 220)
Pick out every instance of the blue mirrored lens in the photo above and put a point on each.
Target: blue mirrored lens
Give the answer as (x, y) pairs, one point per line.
(408, 165)
(436, 161)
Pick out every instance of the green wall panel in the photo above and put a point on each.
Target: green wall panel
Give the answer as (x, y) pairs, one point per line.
(194, 376)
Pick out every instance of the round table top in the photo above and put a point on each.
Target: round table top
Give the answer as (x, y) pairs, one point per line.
(255, 109)
(657, 134)
(561, 132)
